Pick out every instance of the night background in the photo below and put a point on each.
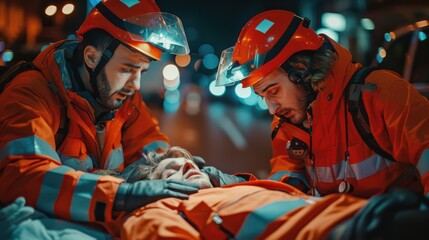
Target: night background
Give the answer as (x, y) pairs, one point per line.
(229, 127)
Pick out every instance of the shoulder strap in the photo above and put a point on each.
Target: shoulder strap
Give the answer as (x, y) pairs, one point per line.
(7, 74)
(3, 69)
(14, 70)
(357, 109)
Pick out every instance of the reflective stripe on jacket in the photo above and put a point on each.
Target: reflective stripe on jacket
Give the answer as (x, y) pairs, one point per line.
(56, 179)
(399, 120)
(251, 210)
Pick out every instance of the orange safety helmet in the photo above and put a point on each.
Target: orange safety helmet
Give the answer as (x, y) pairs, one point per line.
(264, 44)
(140, 25)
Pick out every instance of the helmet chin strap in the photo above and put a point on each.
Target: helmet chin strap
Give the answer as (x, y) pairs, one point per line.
(105, 57)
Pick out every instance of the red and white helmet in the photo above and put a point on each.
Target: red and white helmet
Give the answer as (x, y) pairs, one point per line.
(140, 25)
(267, 41)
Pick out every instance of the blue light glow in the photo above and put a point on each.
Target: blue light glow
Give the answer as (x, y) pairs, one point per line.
(215, 90)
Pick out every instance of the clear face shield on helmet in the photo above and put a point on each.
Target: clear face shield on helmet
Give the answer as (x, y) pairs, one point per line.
(160, 29)
(230, 71)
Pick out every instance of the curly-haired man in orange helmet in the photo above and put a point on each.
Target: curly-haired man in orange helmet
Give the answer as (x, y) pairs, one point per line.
(303, 78)
(80, 110)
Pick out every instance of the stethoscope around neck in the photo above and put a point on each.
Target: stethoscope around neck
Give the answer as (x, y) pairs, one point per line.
(344, 186)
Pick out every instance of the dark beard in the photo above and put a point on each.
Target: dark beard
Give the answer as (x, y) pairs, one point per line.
(104, 89)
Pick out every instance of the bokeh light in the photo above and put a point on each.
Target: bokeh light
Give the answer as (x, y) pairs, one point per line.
(68, 9)
(51, 10)
(215, 90)
(183, 60)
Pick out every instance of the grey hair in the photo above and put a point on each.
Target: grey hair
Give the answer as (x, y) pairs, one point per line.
(152, 160)
(143, 168)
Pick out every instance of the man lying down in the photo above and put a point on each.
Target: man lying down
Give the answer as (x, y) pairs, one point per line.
(259, 209)
(266, 209)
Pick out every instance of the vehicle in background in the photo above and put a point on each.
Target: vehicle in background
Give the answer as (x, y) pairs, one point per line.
(406, 51)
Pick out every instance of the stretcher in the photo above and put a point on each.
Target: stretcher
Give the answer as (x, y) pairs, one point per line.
(395, 215)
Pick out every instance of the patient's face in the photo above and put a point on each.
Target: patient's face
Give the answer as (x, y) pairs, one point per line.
(181, 169)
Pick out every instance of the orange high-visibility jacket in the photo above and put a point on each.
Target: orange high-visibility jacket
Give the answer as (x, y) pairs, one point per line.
(399, 120)
(56, 179)
(251, 210)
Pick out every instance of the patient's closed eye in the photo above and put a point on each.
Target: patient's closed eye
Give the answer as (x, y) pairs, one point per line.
(169, 172)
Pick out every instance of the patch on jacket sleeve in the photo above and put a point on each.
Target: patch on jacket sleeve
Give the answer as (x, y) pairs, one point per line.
(297, 149)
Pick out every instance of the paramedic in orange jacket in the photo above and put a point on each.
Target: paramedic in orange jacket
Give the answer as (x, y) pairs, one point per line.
(302, 76)
(90, 90)
(265, 209)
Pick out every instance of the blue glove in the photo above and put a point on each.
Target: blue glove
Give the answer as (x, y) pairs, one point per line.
(132, 172)
(218, 178)
(12, 216)
(199, 161)
(131, 196)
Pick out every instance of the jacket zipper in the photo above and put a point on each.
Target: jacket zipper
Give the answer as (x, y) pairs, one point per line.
(94, 137)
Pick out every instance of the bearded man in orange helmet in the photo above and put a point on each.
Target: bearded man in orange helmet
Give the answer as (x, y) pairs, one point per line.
(303, 78)
(80, 109)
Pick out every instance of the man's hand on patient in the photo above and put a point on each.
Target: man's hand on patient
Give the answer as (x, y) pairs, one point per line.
(218, 178)
(199, 161)
(131, 196)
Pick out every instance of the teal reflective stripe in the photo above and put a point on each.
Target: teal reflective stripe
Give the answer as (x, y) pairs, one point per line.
(28, 145)
(370, 166)
(115, 159)
(358, 171)
(50, 188)
(153, 146)
(256, 222)
(324, 174)
(278, 175)
(84, 165)
(82, 196)
(423, 164)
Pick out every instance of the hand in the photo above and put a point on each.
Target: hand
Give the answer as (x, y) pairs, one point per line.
(218, 178)
(132, 172)
(199, 161)
(131, 196)
(12, 215)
